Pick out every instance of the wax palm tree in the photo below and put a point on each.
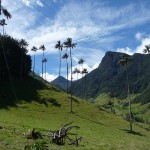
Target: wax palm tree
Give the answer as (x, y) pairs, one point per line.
(59, 46)
(4, 11)
(45, 61)
(69, 45)
(124, 62)
(23, 44)
(76, 71)
(42, 47)
(34, 49)
(84, 71)
(80, 62)
(147, 49)
(65, 56)
(3, 23)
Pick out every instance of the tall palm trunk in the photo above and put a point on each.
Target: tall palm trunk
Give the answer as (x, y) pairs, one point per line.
(59, 66)
(42, 64)
(130, 111)
(71, 84)
(85, 87)
(67, 74)
(45, 70)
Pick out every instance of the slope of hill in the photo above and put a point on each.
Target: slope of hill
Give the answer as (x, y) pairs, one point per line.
(110, 77)
(43, 107)
(61, 82)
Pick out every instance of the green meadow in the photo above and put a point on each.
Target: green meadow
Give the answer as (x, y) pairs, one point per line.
(43, 107)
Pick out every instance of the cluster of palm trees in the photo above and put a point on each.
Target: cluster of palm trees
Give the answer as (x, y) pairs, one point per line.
(44, 60)
(68, 44)
(82, 71)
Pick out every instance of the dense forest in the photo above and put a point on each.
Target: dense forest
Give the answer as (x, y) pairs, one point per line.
(14, 59)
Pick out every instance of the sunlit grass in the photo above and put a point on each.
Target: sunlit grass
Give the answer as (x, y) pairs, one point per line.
(100, 129)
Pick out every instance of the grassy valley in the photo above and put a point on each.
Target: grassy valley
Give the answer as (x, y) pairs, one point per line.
(43, 107)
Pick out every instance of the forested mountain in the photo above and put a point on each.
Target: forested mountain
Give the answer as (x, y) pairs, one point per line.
(13, 57)
(110, 77)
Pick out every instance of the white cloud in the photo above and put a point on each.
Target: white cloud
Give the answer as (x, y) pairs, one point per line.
(126, 50)
(91, 23)
(49, 77)
(139, 36)
(26, 2)
(140, 48)
(30, 3)
(92, 20)
(39, 3)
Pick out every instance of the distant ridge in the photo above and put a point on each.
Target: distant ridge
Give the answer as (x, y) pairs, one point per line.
(61, 82)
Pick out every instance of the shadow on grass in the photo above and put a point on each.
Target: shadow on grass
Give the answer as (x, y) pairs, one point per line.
(93, 121)
(132, 132)
(26, 90)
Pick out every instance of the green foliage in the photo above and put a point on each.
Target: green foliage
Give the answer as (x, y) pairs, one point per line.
(11, 54)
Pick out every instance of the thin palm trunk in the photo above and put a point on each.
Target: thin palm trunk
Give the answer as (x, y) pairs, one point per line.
(67, 75)
(130, 112)
(42, 64)
(71, 84)
(85, 87)
(45, 70)
(59, 67)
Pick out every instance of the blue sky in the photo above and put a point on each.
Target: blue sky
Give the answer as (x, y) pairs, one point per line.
(96, 26)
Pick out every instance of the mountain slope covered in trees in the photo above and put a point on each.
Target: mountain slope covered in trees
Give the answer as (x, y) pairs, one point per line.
(110, 77)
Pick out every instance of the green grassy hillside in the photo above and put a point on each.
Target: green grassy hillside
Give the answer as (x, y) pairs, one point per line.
(141, 112)
(43, 107)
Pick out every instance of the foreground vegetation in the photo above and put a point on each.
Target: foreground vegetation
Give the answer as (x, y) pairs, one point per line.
(44, 107)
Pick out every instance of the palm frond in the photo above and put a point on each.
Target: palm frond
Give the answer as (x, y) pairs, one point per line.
(6, 13)
(34, 49)
(42, 47)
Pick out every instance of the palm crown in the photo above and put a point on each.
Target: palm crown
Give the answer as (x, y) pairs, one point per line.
(65, 56)
(59, 45)
(42, 47)
(34, 49)
(147, 49)
(6, 13)
(68, 43)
